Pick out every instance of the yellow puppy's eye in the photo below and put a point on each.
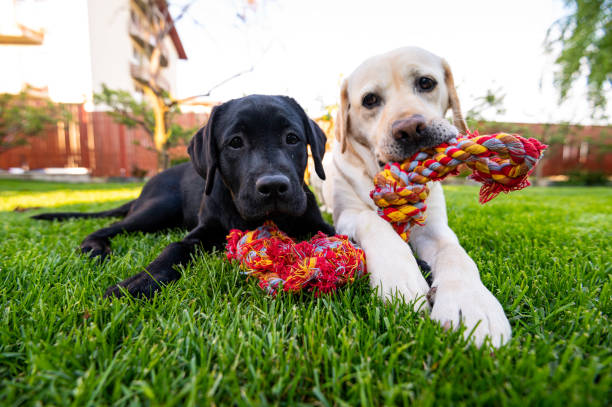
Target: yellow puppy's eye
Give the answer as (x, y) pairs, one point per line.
(371, 100)
(426, 84)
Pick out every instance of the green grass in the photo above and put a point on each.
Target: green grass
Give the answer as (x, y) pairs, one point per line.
(215, 338)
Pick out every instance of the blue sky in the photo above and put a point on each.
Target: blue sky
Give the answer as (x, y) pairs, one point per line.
(304, 49)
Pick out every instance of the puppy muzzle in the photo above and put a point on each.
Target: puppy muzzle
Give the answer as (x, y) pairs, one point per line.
(271, 195)
(412, 134)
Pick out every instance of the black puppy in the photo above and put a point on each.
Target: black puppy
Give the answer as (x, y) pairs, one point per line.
(247, 166)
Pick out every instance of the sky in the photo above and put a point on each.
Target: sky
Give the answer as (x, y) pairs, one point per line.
(304, 48)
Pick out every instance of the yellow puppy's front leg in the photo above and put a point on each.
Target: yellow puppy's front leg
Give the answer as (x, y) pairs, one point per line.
(458, 295)
(391, 265)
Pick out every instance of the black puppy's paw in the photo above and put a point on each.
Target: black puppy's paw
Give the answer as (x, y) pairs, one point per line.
(141, 285)
(326, 228)
(329, 230)
(114, 292)
(99, 249)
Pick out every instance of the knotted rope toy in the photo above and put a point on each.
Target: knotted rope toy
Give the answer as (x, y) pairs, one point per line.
(501, 162)
(321, 264)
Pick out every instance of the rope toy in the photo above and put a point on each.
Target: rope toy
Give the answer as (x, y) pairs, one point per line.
(501, 162)
(321, 264)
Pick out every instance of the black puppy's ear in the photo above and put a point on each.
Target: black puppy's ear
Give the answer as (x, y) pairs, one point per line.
(314, 136)
(317, 140)
(195, 152)
(203, 151)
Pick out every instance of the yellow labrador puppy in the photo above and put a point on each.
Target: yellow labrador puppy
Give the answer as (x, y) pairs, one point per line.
(391, 106)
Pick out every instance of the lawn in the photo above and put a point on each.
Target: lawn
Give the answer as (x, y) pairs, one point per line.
(215, 338)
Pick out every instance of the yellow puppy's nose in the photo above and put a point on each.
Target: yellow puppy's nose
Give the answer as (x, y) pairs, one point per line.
(409, 128)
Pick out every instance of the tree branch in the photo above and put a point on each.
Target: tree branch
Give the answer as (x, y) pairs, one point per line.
(165, 14)
(153, 87)
(133, 118)
(209, 91)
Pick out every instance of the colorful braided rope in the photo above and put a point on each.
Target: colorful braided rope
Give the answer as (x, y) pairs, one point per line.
(321, 264)
(501, 162)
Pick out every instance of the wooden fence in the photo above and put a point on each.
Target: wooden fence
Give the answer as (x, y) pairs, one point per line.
(571, 147)
(94, 141)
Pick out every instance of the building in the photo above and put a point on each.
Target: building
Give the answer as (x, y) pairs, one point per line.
(65, 50)
(71, 47)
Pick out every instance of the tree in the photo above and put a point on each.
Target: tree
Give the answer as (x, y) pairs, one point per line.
(585, 39)
(493, 100)
(23, 116)
(154, 116)
(126, 110)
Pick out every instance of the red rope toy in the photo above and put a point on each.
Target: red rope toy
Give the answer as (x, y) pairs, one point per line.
(320, 265)
(501, 162)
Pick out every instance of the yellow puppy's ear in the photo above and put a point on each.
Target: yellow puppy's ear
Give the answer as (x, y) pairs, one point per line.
(342, 118)
(453, 100)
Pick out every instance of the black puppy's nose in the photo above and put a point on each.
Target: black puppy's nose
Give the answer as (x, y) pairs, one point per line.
(272, 185)
(409, 128)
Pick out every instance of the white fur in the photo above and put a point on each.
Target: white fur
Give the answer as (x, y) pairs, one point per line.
(458, 294)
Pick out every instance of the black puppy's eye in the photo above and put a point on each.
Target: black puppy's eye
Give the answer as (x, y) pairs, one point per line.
(291, 138)
(426, 84)
(371, 100)
(236, 142)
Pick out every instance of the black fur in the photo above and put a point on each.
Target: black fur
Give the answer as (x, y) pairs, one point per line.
(222, 188)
